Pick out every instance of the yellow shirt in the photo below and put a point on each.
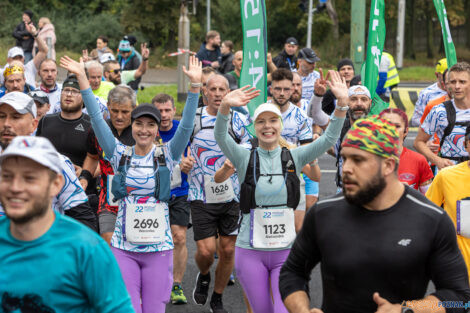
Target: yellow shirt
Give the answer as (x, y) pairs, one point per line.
(450, 185)
(103, 90)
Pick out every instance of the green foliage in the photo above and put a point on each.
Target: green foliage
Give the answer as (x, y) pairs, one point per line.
(146, 95)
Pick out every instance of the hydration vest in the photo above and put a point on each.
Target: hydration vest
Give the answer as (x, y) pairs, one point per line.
(248, 187)
(162, 175)
(451, 117)
(198, 126)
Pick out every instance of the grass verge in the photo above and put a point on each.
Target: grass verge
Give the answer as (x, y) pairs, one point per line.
(146, 95)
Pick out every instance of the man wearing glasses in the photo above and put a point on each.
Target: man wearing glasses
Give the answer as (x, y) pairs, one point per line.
(114, 74)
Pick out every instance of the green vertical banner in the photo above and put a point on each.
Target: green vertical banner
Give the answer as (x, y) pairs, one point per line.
(375, 44)
(451, 55)
(255, 49)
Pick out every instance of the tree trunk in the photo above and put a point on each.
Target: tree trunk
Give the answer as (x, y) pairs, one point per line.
(467, 23)
(410, 30)
(334, 18)
(429, 30)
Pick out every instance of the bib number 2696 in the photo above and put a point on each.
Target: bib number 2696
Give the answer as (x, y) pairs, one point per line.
(145, 223)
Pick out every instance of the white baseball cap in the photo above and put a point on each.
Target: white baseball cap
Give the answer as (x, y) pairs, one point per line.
(105, 57)
(267, 107)
(21, 102)
(15, 51)
(38, 149)
(358, 90)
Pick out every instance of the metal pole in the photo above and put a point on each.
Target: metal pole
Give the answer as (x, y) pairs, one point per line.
(309, 24)
(208, 15)
(183, 43)
(401, 33)
(357, 46)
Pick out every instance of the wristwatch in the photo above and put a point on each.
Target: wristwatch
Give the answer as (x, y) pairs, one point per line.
(405, 309)
(342, 108)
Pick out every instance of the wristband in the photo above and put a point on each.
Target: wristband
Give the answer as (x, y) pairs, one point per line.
(196, 85)
(35, 36)
(85, 175)
(342, 108)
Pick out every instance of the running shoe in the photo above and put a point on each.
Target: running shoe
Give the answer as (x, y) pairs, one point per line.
(177, 295)
(201, 290)
(231, 280)
(217, 306)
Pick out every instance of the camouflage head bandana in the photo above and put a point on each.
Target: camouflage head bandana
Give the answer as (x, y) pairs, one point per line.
(374, 135)
(15, 69)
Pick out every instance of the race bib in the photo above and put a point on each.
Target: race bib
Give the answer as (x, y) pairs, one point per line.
(145, 223)
(218, 193)
(272, 228)
(176, 177)
(463, 217)
(109, 194)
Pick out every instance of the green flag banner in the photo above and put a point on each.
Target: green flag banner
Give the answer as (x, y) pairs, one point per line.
(451, 55)
(255, 49)
(375, 44)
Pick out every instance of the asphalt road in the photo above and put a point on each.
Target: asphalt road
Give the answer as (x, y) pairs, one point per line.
(233, 298)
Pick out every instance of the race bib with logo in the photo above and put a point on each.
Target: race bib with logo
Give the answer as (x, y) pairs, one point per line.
(272, 228)
(145, 223)
(463, 217)
(109, 194)
(176, 177)
(218, 193)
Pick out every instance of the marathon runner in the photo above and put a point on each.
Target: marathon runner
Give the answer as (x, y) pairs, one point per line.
(50, 262)
(18, 118)
(413, 169)
(142, 242)
(270, 192)
(215, 210)
(379, 242)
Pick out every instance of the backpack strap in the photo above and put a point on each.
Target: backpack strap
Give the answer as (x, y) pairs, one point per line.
(126, 158)
(197, 123)
(291, 178)
(248, 187)
(159, 163)
(451, 117)
(231, 132)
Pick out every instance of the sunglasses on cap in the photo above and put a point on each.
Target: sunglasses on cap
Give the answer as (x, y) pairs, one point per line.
(37, 93)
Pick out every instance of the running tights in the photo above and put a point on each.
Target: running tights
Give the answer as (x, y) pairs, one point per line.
(258, 273)
(148, 277)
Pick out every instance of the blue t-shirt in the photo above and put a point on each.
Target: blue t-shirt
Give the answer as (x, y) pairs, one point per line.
(68, 269)
(167, 136)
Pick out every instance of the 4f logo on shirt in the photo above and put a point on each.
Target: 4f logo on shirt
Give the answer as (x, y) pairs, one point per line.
(80, 127)
(404, 242)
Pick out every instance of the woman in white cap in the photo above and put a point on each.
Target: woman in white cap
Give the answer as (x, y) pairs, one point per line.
(270, 191)
(142, 242)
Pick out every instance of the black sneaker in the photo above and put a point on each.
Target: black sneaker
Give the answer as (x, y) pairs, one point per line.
(217, 306)
(201, 290)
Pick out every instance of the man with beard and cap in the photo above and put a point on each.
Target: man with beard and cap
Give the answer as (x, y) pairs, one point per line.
(50, 262)
(346, 69)
(287, 59)
(18, 117)
(359, 106)
(379, 242)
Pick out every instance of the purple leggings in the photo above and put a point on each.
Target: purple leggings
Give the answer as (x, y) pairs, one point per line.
(254, 268)
(148, 277)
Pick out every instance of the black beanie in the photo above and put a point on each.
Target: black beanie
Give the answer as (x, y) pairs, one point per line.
(71, 81)
(28, 13)
(344, 62)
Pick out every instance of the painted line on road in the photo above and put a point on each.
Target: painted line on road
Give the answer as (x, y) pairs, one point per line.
(328, 171)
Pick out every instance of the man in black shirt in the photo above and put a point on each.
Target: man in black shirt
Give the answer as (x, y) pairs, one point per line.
(68, 129)
(287, 59)
(346, 69)
(379, 243)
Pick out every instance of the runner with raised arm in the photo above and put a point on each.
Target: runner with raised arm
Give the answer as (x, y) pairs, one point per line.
(270, 192)
(142, 242)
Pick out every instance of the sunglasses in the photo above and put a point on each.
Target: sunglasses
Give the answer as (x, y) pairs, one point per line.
(116, 71)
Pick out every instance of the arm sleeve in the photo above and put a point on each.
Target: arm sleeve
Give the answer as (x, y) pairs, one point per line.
(234, 152)
(181, 138)
(315, 111)
(105, 136)
(315, 149)
(98, 261)
(447, 267)
(434, 192)
(303, 256)
(84, 214)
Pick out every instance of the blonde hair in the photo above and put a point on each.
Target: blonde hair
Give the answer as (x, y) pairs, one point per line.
(285, 144)
(44, 20)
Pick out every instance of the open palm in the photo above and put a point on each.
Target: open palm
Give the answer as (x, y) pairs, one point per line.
(194, 71)
(241, 97)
